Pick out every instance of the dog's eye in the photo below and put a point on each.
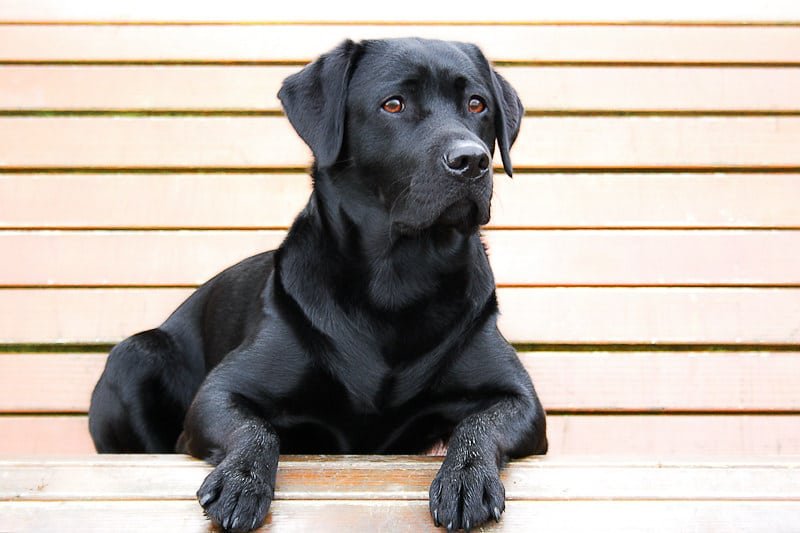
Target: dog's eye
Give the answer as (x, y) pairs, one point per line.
(394, 104)
(476, 105)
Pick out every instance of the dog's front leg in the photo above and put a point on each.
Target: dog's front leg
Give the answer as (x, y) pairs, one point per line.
(467, 491)
(222, 429)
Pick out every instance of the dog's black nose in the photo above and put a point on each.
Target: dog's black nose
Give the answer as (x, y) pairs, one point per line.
(467, 160)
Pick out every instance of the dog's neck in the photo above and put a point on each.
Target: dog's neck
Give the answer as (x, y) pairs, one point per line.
(360, 248)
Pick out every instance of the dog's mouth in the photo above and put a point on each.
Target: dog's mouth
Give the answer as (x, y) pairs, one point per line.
(461, 214)
(464, 213)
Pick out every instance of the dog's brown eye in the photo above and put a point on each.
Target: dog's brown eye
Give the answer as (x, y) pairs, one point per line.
(394, 104)
(476, 105)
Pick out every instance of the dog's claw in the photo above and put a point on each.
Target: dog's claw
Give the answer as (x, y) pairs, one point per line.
(436, 518)
(496, 514)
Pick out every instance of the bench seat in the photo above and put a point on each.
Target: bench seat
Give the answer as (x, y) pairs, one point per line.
(389, 493)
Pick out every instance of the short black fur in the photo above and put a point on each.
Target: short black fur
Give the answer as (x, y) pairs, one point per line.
(372, 328)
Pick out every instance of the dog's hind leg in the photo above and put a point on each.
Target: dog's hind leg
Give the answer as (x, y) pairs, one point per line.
(143, 395)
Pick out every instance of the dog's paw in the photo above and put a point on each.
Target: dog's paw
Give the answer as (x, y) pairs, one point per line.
(237, 494)
(466, 496)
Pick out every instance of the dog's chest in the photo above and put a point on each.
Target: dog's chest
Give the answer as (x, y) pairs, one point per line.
(333, 421)
(389, 369)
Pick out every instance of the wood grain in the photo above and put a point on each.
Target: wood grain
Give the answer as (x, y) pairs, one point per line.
(542, 89)
(412, 517)
(505, 10)
(519, 258)
(532, 315)
(544, 142)
(372, 478)
(654, 382)
(641, 44)
(667, 435)
(260, 200)
(651, 315)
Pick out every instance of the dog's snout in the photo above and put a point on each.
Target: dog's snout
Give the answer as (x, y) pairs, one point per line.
(467, 160)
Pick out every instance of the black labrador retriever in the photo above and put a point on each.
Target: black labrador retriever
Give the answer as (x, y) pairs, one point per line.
(372, 329)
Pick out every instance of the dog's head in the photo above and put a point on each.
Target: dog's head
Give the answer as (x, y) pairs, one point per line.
(411, 122)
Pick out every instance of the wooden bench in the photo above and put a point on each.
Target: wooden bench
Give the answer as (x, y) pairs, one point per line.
(647, 252)
(390, 494)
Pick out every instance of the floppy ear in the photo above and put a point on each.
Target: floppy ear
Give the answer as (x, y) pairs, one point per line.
(314, 100)
(507, 117)
(509, 111)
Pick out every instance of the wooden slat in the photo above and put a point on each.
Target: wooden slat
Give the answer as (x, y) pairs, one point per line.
(298, 43)
(651, 435)
(656, 89)
(657, 142)
(156, 200)
(663, 382)
(272, 200)
(98, 315)
(529, 258)
(540, 315)
(127, 258)
(60, 382)
(255, 88)
(343, 478)
(144, 87)
(648, 435)
(565, 381)
(345, 517)
(649, 257)
(333, 462)
(645, 315)
(544, 142)
(416, 10)
(45, 435)
(647, 200)
(148, 142)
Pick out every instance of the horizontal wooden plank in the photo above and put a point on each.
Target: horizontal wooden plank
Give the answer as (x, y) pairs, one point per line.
(403, 478)
(157, 200)
(545, 89)
(96, 315)
(565, 381)
(653, 435)
(665, 381)
(344, 517)
(298, 43)
(646, 200)
(506, 10)
(255, 88)
(644, 257)
(147, 142)
(39, 382)
(651, 315)
(273, 200)
(544, 142)
(666, 435)
(333, 462)
(538, 315)
(45, 435)
(529, 258)
(128, 258)
(242, 88)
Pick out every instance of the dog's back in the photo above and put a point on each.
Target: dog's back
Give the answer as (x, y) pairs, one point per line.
(150, 378)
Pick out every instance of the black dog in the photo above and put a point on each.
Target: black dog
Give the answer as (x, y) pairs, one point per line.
(372, 329)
